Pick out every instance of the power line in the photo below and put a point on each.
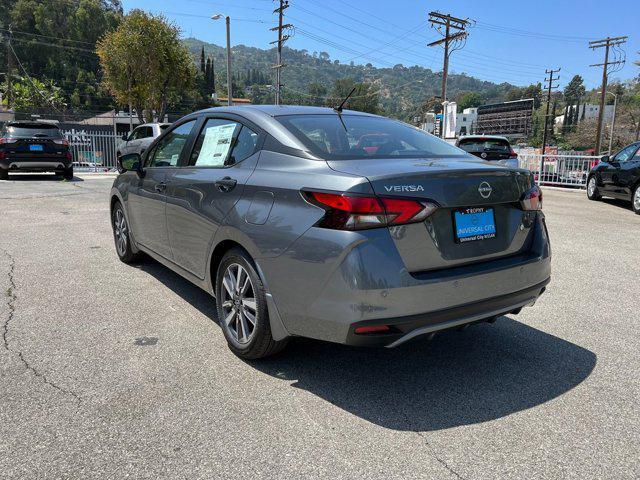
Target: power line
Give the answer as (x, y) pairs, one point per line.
(606, 43)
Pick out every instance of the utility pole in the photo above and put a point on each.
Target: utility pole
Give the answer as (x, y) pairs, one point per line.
(549, 81)
(605, 43)
(9, 69)
(284, 4)
(449, 23)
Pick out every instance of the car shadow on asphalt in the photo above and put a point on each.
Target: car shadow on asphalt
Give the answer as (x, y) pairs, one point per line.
(30, 177)
(626, 205)
(482, 373)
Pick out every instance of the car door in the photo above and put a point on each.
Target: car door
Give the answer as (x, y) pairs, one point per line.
(629, 173)
(202, 192)
(131, 143)
(146, 139)
(609, 174)
(616, 167)
(147, 203)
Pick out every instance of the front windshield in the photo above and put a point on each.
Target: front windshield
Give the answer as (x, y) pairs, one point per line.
(351, 137)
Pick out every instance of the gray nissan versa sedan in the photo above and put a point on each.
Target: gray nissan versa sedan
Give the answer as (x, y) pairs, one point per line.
(329, 224)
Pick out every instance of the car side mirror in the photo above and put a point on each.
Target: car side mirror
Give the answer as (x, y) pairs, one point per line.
(605, 158)
(131, 162)
(125, 136)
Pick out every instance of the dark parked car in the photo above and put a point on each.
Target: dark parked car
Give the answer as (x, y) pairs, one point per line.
(339, 226)
(34, 147)
(491, 148)
(617, 177)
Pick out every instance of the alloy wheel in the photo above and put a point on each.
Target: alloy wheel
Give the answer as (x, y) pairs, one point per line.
(120, 230)
(239, 308)
(636, 199)
(591, 188)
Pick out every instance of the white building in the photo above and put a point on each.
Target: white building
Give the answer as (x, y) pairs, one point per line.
(465, 121)
(590, 112)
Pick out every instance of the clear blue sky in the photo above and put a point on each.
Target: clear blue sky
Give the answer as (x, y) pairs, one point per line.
(512, 41)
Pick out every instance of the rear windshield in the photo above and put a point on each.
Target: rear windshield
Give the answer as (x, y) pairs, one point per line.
(478, 145)
(30, 130)
(350, 137)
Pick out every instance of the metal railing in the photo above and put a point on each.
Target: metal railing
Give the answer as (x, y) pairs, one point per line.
(93, 151)
(561, 170)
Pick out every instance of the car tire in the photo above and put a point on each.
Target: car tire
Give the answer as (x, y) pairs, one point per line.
(241, 305)
(592, 188)
(635, 200)
(67, 174)
(121, 236)
(4, 175)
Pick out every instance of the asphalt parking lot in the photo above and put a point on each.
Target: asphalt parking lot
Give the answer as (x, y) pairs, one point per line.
(113, 371)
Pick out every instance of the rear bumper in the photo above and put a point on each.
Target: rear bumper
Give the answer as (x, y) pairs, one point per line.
(407, 328)
(328, 283)
(35, 164)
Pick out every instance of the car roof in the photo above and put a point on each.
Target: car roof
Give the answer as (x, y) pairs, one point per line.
(280, 110)
(31, 124)
(474, 137)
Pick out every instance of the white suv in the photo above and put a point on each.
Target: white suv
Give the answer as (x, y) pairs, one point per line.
(140, 138)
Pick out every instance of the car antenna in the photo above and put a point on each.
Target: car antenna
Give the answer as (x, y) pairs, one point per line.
(338, 109)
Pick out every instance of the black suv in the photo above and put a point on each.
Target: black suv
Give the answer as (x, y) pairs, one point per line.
(617, 176)
(34, 147)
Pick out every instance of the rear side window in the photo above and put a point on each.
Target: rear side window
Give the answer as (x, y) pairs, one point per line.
(350, 137)
(479, 145)
(223, 143)
(30, 130)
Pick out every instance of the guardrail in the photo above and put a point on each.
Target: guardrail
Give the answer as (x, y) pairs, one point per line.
(92, 151)
(560, 170)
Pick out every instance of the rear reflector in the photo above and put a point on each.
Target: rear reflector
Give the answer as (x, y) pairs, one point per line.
(371, 329)
(532, 199)
(351, 212)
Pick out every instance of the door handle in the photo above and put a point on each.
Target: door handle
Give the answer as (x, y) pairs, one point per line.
(161, 187)
(226, 184)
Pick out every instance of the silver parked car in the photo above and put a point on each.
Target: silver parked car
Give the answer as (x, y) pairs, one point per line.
(140, 138)
(340, 226)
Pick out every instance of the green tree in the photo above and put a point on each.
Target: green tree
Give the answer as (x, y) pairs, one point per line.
(145, 64)
(469, 100)
(364, 99)
(32, 93)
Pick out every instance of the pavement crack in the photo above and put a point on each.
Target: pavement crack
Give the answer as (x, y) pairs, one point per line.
(11, 298)
(433, 451)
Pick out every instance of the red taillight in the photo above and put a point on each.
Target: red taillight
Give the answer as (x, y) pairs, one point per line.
(371, 329)
(4, 140)
(68, 155)
(532, 199)
(2, 155)
(61, 141)
(595, 162)
(513, 154)
(351, 212)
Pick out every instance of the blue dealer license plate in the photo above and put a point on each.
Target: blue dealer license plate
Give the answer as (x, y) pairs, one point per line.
(474, 224)
(36, 148)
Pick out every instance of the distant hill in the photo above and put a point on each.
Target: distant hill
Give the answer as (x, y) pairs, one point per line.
(402, 89)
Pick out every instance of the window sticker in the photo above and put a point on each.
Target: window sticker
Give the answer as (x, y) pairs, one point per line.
(216, 145)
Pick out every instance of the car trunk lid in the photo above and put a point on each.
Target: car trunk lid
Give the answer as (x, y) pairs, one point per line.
(455, 185)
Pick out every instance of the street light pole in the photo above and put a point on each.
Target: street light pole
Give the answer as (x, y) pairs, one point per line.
(218, 16)
(613, 120)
